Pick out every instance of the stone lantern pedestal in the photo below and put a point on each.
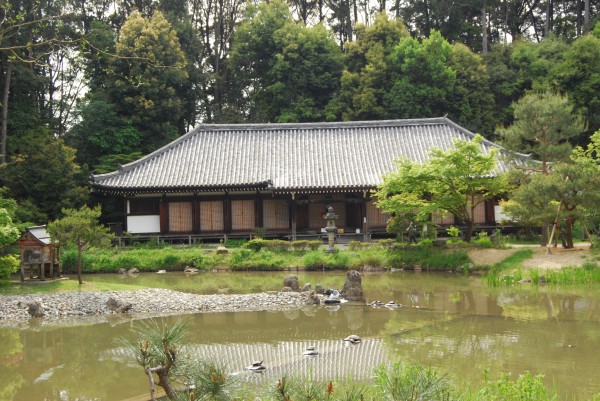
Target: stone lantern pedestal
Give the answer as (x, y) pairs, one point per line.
(330, 229)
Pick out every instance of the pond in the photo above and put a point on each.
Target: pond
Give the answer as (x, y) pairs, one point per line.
(454, 323)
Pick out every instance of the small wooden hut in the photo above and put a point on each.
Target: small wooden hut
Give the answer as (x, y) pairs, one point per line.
(38, 252)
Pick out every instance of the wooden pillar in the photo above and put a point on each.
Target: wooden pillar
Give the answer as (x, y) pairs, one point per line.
(125, 213)
(196, 215)
(22, 266)
(490, 215)
(51, 262)
(164, 215)
(227, 222)
(293, 214)
(43, 266)
(258, 211)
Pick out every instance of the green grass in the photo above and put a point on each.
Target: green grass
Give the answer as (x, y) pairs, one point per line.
(65, 286)
(509, 270)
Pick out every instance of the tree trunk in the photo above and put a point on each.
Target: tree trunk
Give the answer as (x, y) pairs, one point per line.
(586, 16)
(484, 35)
(163, 381)
(469, 231)
(4, 114)
(549, 15)
(79, 250)
(544, 237)
(569, 233)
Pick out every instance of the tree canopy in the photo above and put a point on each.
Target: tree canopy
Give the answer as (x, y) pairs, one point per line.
(79, 227)
(453, 181)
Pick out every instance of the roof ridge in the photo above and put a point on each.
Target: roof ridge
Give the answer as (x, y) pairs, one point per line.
(272, 126)
(327, 124)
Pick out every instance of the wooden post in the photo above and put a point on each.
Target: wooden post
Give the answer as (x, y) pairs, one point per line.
(22, 266)
(227, 222)
(43, 267)
(294, 211)
(553, 228)
(363, 213)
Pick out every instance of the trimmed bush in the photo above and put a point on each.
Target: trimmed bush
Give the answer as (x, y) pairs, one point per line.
(278, 245)
(314, 245)
(300, 245)
(255, 244)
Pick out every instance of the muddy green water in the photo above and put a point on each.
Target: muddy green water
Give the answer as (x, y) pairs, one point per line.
(453, 323)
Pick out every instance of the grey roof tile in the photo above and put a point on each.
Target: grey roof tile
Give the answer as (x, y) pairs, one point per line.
(286, 156)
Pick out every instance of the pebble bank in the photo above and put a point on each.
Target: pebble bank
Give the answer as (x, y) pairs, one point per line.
(153, 302)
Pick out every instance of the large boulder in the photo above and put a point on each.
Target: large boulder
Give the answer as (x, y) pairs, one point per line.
(319, 289)
(352, 290)
(35, 308)
(118, 306)
(292, 282)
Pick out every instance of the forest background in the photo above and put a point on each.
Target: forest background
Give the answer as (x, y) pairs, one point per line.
(87, 85)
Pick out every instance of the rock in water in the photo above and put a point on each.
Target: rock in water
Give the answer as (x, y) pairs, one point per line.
(352, 290)
(35, 309)
(118, 306)
(292, 282)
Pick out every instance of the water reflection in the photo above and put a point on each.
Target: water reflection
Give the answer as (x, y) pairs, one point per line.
(453, 323)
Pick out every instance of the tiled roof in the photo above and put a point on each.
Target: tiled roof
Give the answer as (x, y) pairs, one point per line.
(40, 233)
(341, 155)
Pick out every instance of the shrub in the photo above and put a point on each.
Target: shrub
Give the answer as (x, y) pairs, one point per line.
(300, 245)
(319, 260)
(203, 261)
(278, 245)
(69, 262)
(8, 265)
(526, 387)
(412, 382)
(169, 262)
(126, 261)
(372, 258)
(425, 243)
(244, 259)
(314, 260)
(354, 245)
(453, 232)
(408, 258)
(386, 243)
(314, 245)
(483, 242)
(255, 244)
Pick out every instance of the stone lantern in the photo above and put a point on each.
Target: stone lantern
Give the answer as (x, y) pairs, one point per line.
(330, 228)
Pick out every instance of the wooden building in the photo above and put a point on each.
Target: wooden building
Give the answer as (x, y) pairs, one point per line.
(277, 178)
(37, 251)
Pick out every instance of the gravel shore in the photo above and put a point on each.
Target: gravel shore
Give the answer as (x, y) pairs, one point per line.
(153, 302)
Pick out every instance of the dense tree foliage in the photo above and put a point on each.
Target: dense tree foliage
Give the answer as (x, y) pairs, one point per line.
(554, 185)
(453, 181)
(104, 82)
(79, 227)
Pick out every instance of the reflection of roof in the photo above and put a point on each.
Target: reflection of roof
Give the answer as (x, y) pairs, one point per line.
(40, 233)
(285, 157)
(336, 359)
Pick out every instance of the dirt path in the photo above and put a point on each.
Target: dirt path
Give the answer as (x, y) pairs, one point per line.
(557, 259)
(560, 257)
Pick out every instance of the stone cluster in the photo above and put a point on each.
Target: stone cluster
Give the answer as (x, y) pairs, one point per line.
(147, 302)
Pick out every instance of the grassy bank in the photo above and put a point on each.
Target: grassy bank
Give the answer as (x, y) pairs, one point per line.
(261, 255)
